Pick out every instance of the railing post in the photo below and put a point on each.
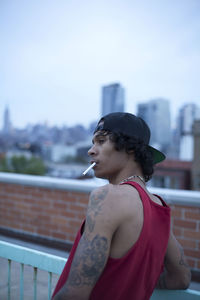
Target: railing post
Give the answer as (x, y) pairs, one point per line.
(35, 283)
(21, 281)
(49, 285)
(9, 277)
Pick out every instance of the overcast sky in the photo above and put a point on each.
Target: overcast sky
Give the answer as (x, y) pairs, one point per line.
(55, 56)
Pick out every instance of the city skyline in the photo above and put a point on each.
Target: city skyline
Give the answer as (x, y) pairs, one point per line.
(55, 57)
(7, 117)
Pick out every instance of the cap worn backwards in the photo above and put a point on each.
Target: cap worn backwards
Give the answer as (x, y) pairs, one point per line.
(132, 126)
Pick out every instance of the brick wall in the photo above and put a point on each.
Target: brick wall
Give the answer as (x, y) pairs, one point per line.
(186, 227)
(56, 214)
(40, 211)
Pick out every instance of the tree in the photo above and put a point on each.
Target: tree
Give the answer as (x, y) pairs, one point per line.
(23, 165)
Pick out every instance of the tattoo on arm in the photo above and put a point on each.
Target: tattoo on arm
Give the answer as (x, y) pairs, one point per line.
(96, 200)
(94, 208)
(88, 262)
(91, 254)
(182, 260)
(90, 223)
(184, 263)
(166, 281)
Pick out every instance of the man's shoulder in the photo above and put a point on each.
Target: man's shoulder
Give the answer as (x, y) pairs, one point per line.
(112, 205)
(116, 196)
(114, 190)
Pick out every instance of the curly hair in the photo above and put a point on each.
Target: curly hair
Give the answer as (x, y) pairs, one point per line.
(142, 154)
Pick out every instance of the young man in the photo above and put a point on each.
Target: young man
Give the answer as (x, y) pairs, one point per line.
(125, 247)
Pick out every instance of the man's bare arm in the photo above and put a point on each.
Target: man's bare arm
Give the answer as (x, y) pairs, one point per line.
(92, 252)
(177, 274)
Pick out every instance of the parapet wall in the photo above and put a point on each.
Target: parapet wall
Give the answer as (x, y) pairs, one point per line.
(53, 209)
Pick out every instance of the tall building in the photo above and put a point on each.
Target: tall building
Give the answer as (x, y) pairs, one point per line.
(156, 114)
(7, 123)
(187, 116)
(112, 98)
(196, 160)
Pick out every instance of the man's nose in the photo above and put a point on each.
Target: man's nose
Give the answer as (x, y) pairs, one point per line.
(92, 150)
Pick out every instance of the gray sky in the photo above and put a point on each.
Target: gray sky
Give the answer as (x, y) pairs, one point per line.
(56, 55)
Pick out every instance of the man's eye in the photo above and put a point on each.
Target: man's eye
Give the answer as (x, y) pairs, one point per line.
(101, 141)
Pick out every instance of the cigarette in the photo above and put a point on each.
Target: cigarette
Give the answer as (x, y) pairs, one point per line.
(89, 168)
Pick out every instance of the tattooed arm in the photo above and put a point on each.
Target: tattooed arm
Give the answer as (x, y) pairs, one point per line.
(93, 249)
(177, 273)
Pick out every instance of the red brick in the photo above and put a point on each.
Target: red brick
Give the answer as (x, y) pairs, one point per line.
(27, 228)
(75, 223)
(191, 262)
(84, 200)
(8, 205)
(72, 237)
(192, 253)
(81, 216)
(198, 265)
(68, 214)
(22, 206)
(43, 231)
(75, 208)
(192, 234)
(187, 243)
(69, 230)
(59, 235)
(176, 213)
(36, 209)
(28, 215)
(43, 219)
(53, 211)
(192, 215)
(185, 223)
(37, 194)
(11, 189)
(59, 220)
(61, 206)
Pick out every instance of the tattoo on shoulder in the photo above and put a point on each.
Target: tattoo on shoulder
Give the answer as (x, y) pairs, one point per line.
(89, 261)
(96, 200)
(95, 205)
(182, 260)
(90, 223)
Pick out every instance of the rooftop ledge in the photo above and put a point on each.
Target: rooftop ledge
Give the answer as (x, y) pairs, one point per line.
(171, 196)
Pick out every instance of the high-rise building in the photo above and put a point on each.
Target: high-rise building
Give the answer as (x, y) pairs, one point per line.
(196, 160)
(187, 116)
(156, 114)
(7, 123)
(112, 98)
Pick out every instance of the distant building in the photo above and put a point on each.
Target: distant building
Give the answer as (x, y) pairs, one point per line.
(187, 115)
(60, 152)
(7, 123)
(196, 160)
(172, 174)
(156, 114)
(179, 174)
(112, 98)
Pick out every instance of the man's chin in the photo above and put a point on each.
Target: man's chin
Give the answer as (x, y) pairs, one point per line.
(100, 175)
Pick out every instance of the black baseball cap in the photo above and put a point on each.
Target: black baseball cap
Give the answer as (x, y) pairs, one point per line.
(132, 126)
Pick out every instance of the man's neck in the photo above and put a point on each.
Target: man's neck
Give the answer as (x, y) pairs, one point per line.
(134, 175)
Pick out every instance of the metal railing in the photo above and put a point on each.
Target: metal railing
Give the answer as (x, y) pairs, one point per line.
(38, 260)
(54, 265)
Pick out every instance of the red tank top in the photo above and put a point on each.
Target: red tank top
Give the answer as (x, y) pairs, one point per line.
(133, 276)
